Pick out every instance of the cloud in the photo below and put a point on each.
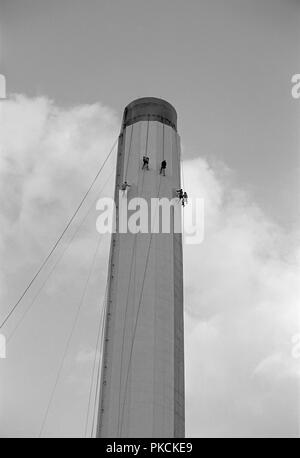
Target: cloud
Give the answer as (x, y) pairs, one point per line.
(241, 282)
(48, 157)
(242, 309)
(277, 366)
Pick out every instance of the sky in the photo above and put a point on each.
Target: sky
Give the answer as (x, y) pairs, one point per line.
(70, 68)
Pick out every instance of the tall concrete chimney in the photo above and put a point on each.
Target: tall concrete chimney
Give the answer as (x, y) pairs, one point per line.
(142, 377)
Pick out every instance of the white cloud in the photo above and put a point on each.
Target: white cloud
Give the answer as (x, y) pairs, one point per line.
(48, 157)
(278, 366)
(242, 308)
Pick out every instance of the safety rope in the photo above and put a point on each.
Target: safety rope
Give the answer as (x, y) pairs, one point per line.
(97, 390)
(99, 366)
(58, 240)
(66, 247)
(180, 161)
(67, 346)
(97, 357)
(137, 314)
(133, 256)
(147, 136)
(129, 151)
(163, 143)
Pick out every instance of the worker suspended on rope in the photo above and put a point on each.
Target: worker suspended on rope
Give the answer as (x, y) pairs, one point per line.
(180, 194)
(185, 198)
(145, 162)
(124, 187)
(163, 168)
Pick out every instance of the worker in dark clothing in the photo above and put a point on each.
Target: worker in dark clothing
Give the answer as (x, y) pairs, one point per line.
(124, 187)
(145, 162)
(180, 194)
(163, 168)
(185, 198)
